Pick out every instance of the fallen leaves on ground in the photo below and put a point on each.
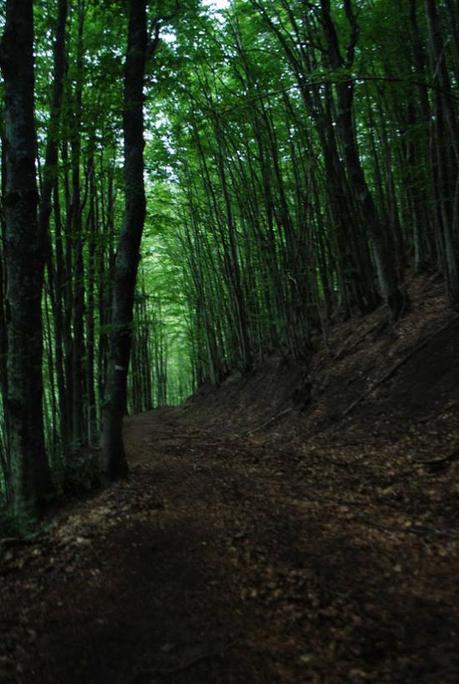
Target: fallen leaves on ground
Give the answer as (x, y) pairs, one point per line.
(224, 559)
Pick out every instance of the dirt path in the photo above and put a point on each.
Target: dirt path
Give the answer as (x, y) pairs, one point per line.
(221, 561)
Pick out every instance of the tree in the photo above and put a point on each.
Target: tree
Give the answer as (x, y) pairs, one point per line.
(24, 260)
(139, 48)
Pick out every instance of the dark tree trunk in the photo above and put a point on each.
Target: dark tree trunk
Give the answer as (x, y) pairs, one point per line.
(3, 336)
(91, 418)
(51, 154)
(77, 244)
(49, 184)
(363, 199)
(24, 258)
(446, 155)
(114, 463)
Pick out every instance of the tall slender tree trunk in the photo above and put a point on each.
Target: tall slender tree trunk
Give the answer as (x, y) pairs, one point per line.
(91, 228)
(362, 196)
(446, 151)
(49, 183)
(4, 457)
(52, 142)
(77, 245)
(114, 463)
(24, 258)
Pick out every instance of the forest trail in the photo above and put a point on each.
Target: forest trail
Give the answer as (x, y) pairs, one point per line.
(219, 561)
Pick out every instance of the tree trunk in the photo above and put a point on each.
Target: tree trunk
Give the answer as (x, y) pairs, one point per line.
(49, 183)
(446, 160)
(24, 258)
(114, 463)
(77, 245)
(363, 199)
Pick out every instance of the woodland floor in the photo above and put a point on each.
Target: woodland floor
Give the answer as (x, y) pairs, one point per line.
(217, 562)
(237, 555)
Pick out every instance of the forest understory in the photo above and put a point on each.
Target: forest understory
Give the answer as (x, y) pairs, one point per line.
(290, 526)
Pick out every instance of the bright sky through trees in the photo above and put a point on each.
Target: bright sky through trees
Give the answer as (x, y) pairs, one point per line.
(218, 4)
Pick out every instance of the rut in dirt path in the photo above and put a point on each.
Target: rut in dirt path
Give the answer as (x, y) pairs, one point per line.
(225, 560)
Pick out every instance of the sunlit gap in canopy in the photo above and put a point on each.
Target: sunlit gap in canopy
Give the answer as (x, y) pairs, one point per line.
(217, 5)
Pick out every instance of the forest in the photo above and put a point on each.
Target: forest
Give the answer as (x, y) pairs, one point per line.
(235, 224)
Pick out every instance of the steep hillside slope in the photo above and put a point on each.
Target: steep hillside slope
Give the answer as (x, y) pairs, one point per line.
(366, 377)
